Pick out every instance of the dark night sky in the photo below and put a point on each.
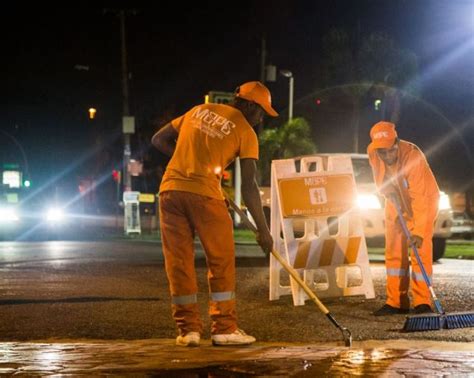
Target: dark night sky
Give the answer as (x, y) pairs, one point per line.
(178, 53)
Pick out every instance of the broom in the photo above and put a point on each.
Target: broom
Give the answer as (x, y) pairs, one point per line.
(434, 321)
(346, 334)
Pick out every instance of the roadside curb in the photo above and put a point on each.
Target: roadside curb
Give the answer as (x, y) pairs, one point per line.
(158, 241)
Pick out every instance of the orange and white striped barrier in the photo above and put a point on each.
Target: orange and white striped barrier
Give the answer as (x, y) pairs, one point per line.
(316, 227)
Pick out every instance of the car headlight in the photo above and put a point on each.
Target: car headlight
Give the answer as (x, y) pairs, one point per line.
(444, 203)
(8, 214)
(54, 215)
(368, 201)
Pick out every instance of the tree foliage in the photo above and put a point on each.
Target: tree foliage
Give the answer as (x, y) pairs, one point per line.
(367, 67)
(375, 59)
(289, 140)
(381, 61)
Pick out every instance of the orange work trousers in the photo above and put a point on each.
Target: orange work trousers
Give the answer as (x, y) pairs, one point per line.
(398, 260)
(181, 215)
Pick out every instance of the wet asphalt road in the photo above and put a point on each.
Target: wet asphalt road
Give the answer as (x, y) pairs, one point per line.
(118, 290)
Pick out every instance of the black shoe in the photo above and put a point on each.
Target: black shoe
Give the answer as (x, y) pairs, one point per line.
(386, 309)
(423, 309)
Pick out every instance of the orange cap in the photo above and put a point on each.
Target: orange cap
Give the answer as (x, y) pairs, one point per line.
(383, 135)
(257, 92)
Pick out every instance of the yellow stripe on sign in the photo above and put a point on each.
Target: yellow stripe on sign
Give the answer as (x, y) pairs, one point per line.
(146, 197)
(352, 250)
(302, 255)
(327, 252)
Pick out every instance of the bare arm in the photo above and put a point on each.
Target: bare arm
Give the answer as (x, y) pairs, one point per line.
(251, 196)
(165, 140)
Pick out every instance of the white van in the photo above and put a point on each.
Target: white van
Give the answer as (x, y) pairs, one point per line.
(371, 206)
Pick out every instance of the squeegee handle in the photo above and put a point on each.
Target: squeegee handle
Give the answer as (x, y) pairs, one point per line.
(407, 233)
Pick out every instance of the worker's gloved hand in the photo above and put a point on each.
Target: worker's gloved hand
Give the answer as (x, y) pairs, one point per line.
(265, 240)
(417, 240)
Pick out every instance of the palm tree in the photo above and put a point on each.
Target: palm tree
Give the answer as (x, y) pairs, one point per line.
(291, 139)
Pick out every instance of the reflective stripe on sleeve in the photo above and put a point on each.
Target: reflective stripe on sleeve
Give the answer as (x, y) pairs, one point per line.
(223, 296)
(397, 272)
(184, 299)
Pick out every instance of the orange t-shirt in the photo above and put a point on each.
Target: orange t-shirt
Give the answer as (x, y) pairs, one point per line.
(210, 137)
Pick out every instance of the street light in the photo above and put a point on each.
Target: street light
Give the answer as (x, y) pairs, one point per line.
(289, 75)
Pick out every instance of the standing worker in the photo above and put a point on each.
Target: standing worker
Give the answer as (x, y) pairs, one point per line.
(202, 143)
(400, 169)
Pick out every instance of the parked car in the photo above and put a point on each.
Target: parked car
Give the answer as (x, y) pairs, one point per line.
(371, 206)
(463, 225)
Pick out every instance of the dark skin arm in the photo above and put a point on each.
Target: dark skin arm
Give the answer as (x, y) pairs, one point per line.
(251, 197)
(165, 140)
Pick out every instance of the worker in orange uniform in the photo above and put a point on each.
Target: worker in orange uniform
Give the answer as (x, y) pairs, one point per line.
(202, 143)
(401, 169)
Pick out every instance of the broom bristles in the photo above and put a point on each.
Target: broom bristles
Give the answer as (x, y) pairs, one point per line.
(459, 320)
(433, 322)
(430, 322)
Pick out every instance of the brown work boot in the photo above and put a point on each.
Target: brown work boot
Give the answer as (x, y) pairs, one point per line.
(386, 309)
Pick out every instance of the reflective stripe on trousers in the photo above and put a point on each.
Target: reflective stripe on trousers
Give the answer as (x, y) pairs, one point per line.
(419, 277)
(397, 272)
(184, 299)
(181, 215)
(223, 296)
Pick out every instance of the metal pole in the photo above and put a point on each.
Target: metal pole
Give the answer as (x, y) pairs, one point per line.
(289, 75)
(290, 106)
(126, 110)
(263, 57)
(356, 137)
(237, 190)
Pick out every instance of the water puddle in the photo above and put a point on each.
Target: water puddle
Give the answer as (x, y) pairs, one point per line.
(371, 362)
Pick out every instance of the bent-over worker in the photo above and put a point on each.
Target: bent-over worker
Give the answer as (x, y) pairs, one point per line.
(400, 169)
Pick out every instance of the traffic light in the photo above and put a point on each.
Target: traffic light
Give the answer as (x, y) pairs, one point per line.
(116, 175)
(317, 101)
(92, 113)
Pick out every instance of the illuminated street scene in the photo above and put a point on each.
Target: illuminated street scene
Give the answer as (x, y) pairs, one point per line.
(256, 189)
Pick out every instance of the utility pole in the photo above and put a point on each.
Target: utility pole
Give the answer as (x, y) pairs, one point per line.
(356, 104)
(263, 57)
(126, 108)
